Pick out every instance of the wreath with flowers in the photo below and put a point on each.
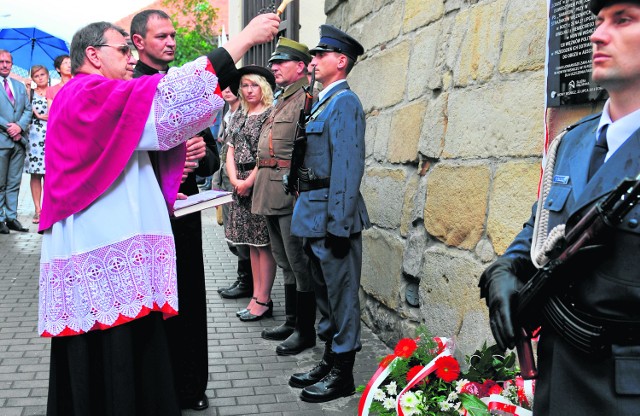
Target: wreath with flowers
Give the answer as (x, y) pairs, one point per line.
(422, 378)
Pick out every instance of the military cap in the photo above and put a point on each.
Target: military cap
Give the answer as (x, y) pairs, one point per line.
(290, 50)
(596, 5)
(333, 39)
(258, 70)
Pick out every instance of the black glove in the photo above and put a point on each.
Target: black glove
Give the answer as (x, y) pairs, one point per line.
(499, 283)
(339, 246)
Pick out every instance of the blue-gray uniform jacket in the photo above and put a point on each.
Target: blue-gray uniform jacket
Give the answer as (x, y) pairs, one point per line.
(605, 285)
(335, 149)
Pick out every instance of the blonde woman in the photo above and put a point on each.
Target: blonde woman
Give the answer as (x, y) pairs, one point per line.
(243, 227)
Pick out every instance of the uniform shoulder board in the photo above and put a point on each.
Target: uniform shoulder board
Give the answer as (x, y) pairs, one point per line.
(583, 120)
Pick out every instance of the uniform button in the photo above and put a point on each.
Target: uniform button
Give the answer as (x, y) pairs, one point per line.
(550, 202)
(633, 223)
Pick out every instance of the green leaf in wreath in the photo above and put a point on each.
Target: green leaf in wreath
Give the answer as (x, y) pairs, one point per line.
(473, 405)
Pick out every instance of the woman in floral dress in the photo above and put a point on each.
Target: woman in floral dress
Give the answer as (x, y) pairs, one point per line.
(34, 162)
(243, 227)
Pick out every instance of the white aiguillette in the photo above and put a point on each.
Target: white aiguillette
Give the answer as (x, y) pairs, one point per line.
(203, 200)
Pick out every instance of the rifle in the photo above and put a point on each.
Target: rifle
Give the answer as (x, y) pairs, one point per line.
(590, 230)
(290, 181)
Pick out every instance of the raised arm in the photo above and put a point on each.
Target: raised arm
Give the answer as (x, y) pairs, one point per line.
(261, 29)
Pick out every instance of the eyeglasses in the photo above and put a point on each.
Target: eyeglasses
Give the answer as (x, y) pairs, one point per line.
(249, 86)
(123, 48)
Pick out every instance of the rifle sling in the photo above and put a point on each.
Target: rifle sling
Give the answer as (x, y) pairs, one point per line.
(272, 117)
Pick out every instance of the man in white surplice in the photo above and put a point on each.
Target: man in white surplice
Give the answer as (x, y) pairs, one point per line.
(108, 258)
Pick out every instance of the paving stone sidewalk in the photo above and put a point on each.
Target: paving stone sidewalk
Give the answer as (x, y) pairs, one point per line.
(246, 377)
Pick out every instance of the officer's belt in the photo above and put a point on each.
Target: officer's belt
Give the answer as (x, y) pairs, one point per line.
(587, 333)
(310, 185)
(272, 162)
(243, 167)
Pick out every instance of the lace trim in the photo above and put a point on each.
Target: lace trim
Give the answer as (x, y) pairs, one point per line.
(108, 286)
(185, 103)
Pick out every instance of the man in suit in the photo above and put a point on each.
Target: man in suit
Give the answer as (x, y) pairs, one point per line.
(330, 215)
(153, 35)
(15, 116)
(289, 66)
(596, 373)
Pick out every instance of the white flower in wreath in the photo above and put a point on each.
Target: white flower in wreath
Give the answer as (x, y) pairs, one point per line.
(409, 403)
(389, 403)
(392, 388)
(453, 396)
(379, 395)
(445, 406)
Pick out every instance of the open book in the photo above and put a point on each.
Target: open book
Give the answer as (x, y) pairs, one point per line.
(203, 200)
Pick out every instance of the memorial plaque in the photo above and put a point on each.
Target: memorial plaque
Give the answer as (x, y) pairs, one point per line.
(569, 54)
(412, 295)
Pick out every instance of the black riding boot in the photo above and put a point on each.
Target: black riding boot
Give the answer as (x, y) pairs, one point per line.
(304, 335)
(316, 374)
(282, 332)
(244, 286)
(338, 383)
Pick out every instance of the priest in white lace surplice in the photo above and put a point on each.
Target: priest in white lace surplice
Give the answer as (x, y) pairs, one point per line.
(108, 257)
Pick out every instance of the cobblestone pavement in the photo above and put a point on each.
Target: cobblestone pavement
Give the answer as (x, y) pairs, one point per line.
(246, 377)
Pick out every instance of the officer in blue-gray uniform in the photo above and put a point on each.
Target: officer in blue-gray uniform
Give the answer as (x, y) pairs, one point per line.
(330, 215)
(589, 348)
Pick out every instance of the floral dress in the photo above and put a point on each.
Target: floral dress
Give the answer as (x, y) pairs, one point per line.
(34, 162)
(243, 227)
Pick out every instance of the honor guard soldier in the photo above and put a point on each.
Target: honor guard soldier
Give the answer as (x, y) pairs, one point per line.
(289, 66)
(589, 348)
(330, 215)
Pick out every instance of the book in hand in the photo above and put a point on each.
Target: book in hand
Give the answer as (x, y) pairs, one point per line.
(200, 201)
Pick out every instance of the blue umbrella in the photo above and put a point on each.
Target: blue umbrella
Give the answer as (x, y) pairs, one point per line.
(30, 46)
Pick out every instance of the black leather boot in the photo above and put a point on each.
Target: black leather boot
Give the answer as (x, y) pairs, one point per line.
(244, 267)
(234, 284)
(338, 383)
(316, 374)
(244, 288)
(282, 332)
(304, 335)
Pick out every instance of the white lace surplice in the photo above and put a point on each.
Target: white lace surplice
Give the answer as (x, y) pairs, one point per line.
(115, 260)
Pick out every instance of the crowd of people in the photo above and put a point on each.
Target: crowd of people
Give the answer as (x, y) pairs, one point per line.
(122, 283)
(124, 301)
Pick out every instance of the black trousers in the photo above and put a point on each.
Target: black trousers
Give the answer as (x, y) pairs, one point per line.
(122, 371)
(187, 332)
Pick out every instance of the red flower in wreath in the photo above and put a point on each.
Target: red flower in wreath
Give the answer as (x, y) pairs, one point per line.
(472, 387)
(447, 368)
(495, 389)
(405, 348)
(413, 371)
(387, 360)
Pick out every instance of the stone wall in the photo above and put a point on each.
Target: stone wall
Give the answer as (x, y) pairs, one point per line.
(454, 96)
